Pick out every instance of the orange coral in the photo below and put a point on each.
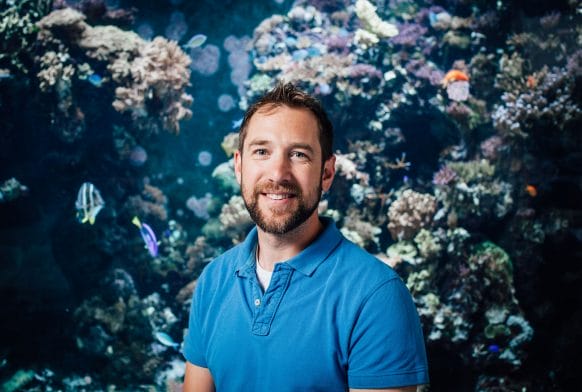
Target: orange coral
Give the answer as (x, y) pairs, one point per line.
(454, 75)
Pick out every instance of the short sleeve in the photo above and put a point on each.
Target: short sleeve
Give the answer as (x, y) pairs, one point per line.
(386, 346)
(193, 348)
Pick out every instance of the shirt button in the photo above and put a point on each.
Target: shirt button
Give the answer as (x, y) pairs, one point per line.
(257, 302)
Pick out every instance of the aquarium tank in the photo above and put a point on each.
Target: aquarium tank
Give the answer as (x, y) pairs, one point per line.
(458, 138)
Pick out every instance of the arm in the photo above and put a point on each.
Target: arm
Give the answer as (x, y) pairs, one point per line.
(403, 389)
(197, 379)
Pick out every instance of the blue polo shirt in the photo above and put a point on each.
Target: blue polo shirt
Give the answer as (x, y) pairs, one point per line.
(332, 317)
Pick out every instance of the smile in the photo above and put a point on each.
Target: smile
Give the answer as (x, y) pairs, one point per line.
(278, 196)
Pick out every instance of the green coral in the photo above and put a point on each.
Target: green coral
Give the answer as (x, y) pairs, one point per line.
(18, 31)
(427, 244)
(471, 171)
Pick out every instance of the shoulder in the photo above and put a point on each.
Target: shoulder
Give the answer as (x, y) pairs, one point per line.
(359, 261)
(358, 274)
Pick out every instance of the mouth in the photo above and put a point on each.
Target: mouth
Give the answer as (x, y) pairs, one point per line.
(278, 196)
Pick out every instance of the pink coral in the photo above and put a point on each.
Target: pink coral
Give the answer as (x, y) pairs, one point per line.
(410, 213)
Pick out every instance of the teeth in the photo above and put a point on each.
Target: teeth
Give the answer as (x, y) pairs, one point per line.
(276, 196)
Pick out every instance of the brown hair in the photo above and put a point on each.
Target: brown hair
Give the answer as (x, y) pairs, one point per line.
(289, 95)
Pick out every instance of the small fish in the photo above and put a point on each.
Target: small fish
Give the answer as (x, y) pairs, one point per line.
(531, 190)
(454, 75)
(493, 348)
(165, 339)
(196, 41)
(148, 235)
(89, 203)
(237, 123)
(95, 80)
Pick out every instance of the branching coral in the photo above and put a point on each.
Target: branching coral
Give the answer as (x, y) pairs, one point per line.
(411, 212)
(550, 103)
(159, 78)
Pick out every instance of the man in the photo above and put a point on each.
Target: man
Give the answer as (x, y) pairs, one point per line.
(296, 306)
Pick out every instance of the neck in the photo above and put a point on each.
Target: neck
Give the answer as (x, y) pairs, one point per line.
(275, 248)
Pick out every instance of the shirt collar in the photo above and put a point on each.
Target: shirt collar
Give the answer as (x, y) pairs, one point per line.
(305, 262)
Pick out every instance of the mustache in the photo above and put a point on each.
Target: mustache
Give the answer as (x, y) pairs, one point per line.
(277, 188)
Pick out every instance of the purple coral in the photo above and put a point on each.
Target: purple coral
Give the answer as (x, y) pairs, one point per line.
(408, 34)
(444, 176)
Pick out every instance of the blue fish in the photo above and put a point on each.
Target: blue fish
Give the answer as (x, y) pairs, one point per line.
(237, 123)
(196, 41)
(95, 80)
(148, 235)
(493, 348)
(165, 339)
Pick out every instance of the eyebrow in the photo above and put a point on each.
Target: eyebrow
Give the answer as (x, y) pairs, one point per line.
(263, 142)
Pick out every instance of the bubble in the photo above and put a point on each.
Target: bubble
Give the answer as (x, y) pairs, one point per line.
(204, 158)
(145, 30)
(231, 43)
(138, 156)
(177, 27)
(199, 206)
(225, 102)
(205, 60)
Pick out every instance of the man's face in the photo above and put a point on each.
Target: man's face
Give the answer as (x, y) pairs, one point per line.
(280, 169)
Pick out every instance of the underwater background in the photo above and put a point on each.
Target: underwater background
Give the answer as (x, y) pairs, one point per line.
(458, 136)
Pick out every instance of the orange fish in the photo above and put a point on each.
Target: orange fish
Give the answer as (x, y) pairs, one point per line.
(454, 75)
(531, 190)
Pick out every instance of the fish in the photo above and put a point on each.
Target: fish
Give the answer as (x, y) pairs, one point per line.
(454, 75)
(89, 203)
(165, 339)
(95, 80)
(196, 41)
(531, 190)
(493, 348)
(148, 235)
(237, 123)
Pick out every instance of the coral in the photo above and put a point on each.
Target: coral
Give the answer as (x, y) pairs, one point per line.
(160, 76)
(151, 203)
(230, 143)
(372, 22)
(404, 251)
(225, 179)
(444, 176)
(359, 231)
(200, 205)
(427, 244)
(551, 104)
(150, 78)
(235, 219)
(12, 189)
(409, 213)
(475, 192)
(346, 167)
(18, 32)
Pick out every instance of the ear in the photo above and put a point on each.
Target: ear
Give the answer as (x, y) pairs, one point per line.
(237, 165)
(328, 173)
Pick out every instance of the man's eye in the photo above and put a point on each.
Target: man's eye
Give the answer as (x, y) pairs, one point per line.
(299, 154)
(260, 151)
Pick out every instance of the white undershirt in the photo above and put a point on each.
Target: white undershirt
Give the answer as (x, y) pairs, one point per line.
(263, 275)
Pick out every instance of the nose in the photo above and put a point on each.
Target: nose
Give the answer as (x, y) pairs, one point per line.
(279, 168)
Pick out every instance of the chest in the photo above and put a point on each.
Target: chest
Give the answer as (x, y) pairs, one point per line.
(293, 337)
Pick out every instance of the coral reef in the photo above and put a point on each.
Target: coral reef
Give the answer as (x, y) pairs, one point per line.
(409, 213)
(149, 78)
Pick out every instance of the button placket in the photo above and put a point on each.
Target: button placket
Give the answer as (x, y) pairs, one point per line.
(265, 311)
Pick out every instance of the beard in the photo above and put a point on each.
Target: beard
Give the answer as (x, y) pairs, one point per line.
(280, 221)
